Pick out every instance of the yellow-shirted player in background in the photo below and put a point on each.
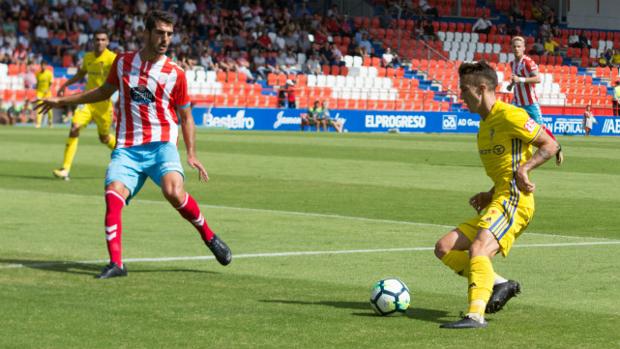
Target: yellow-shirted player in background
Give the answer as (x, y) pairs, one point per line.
(96, 65)
(44, 90)
(505, 140)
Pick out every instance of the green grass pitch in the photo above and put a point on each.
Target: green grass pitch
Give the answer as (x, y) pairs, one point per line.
(313, 221)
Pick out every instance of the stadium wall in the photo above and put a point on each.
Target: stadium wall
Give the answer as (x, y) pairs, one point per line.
(599, 14)
(382, 121)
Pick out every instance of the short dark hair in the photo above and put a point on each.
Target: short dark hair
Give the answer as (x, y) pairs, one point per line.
(100, 31)
(481, 70)
(158, 16)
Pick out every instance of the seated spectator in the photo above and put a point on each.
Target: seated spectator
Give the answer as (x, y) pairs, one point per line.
(538, 48)
(512, 27)
(313, 65)
(615, 59)
(516, 12)
(429, 31)
(551, 46)
(538, 13)
(606, 59)
(365, 44)
(585, 42)
(310, 118)
(387, 58)
(428, 9)
(573, 41)
(482, 25)
(327, 121)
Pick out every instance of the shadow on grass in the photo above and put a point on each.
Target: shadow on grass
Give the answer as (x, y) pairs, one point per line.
(422, 314)
(81, 268)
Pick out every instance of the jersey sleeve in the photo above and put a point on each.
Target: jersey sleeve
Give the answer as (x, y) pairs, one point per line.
(113, 74)
(521, 126)
(531, 67)
(179, 92)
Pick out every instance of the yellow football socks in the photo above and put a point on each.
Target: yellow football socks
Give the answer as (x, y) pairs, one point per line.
(111, 142)
(481, 278)
(70, 150)
(457, 261)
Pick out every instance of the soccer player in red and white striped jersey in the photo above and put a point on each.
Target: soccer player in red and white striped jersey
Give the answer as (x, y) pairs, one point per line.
(524, 78)
(153, 95)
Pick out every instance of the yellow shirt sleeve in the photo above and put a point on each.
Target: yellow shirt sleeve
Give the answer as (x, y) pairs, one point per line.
(521, 126)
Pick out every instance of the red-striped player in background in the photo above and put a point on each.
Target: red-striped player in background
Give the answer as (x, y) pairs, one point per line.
(524, 78)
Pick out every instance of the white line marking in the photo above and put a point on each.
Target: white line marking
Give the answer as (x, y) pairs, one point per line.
(292, 254)
(318, 215)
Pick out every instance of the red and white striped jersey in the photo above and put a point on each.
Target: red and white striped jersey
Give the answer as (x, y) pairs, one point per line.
(524, 93)
(149, 94)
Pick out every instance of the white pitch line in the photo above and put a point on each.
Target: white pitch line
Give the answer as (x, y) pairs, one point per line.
(326, 215)
(291, 254)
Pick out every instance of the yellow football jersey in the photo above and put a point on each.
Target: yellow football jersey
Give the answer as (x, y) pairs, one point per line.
(97, 68)
(44, 81)
(504, 142)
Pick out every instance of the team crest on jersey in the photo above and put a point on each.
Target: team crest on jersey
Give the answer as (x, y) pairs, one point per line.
(142, 95)
(530, 125)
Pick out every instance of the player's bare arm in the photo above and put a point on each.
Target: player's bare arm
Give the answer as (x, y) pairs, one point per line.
(547, 148)
(530, 80)
(482, 199)
(75, 78)
(96, 95)
(189, 136)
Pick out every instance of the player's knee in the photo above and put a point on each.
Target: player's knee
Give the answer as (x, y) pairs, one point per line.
(442, 248)
(75, 131)
(173, 192)
(104, 139)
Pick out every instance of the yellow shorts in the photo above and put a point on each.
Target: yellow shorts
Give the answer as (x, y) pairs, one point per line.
(505, 220)
(44, 94)
(100, 112)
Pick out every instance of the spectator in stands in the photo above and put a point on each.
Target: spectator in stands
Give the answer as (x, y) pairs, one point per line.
(365, 44)
(428, 9)
(605, 59)
(336, 55)
(615, 60)
(538, 13)
(313, 65)
(588, 120)
(616, 99)
(259, 64)
(387, 58)
(483, 25)
(551, 46)
(512, 27)
(538, 48)
(310, 118)
(282, 97)
(585, 42)
(429, 31)
(573, 41)
(515, 11)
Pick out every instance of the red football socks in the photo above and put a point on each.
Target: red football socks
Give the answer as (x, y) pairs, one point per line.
(190, 211)
(114, 204)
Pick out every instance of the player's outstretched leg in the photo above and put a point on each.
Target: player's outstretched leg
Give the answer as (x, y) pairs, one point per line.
(189, 210)
(502, 293)
(113, 229)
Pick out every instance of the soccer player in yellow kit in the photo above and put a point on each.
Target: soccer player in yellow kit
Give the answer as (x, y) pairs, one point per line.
(44, 90)
(96, 65)
(505, 140)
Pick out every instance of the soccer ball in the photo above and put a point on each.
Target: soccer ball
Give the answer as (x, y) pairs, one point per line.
(389, 297)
